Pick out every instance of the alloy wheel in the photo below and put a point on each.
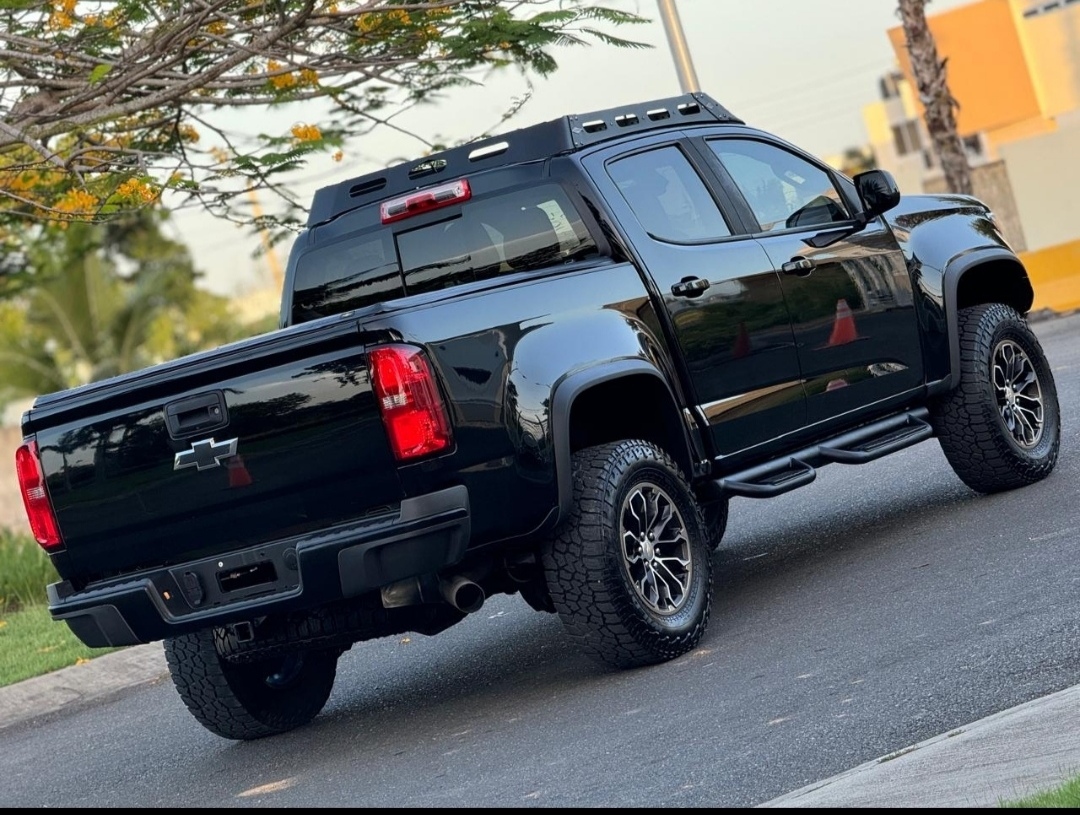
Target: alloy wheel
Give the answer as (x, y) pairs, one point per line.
(655, 548)
(1018, 394)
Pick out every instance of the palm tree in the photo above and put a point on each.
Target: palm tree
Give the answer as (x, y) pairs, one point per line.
(938, 103)
(104, 300)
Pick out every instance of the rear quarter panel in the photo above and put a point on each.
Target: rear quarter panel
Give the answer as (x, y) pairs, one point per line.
(501, 354)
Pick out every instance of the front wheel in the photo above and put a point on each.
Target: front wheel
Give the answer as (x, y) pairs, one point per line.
(629, 571)
(249, 700)
(1000, 428)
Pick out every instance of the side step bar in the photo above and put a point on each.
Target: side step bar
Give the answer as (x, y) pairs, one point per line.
(858, 446)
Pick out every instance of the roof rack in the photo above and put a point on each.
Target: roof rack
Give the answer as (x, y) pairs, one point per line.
(557, 137)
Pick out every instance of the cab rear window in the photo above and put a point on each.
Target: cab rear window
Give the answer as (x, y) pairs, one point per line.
(513, 232)
(352, 273)
(521, 230)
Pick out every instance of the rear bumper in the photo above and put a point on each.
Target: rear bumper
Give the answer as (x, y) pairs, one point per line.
(425, 535)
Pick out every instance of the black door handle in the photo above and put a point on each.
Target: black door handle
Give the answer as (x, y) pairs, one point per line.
(800, 267)
(690, 287)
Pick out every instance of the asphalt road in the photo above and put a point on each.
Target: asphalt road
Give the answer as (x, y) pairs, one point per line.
(880, 606)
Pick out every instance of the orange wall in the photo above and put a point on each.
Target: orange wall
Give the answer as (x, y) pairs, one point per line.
(1054, 276)
(986, 69)
(1052, 44)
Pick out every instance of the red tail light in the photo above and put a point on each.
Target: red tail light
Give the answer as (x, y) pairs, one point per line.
(36, 498)
(425, 201)
(409, 399)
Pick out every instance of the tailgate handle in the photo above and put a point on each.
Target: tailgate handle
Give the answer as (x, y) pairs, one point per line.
(198, 414)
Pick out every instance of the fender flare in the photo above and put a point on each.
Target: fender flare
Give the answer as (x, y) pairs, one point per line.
(562, 402)
(954, 271)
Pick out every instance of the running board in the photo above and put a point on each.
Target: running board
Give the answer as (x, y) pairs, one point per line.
(858, 446)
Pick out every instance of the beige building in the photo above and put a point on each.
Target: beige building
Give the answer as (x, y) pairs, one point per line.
(1014, 68)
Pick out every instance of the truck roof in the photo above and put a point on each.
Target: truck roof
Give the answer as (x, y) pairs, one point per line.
(561, 136)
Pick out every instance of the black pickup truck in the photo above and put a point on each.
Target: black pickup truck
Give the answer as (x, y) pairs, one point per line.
(540, 364)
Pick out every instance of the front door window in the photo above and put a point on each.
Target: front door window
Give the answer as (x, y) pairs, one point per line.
(783, 190)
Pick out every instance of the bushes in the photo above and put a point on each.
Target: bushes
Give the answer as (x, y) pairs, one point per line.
(24, 572)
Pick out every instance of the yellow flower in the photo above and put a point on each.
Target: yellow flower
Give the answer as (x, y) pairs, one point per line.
(217, 28)
(137, 191)
(372, 20)
(309, 76)
(59, 20)
(302, 132)
(281, 81)
(77, 203)
(188, 133)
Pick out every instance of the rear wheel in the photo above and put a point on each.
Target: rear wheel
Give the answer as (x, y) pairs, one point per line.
(1000, 428)
(629, 571)
(249, 700)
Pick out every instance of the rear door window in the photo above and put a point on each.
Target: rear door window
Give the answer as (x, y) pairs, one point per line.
(668, 197)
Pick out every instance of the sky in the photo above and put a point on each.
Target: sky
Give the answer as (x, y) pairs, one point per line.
(803, 69)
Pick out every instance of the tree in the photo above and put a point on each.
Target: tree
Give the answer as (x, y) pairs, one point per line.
(938, 103)
(105, 299)
(855, 160)
(104, 104)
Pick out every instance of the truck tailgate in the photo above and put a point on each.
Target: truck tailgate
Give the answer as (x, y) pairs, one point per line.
(252, 442)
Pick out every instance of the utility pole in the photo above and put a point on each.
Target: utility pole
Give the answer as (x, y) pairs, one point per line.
(680, 52)
(268, 246)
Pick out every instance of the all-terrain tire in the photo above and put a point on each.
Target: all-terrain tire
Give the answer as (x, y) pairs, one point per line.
(250, 700)
(1000, 428)
(715, 514)
(629, 600)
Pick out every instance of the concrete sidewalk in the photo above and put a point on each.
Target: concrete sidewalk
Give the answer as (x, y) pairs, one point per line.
(1012, 754)
(79, 686)
(1030, 748)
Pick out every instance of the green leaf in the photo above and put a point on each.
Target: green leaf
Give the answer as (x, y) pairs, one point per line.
(99, 73)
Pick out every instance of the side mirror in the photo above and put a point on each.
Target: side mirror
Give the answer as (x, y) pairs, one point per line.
(877, 191)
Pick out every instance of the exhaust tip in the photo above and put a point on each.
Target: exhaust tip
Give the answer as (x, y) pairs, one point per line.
(463, 594)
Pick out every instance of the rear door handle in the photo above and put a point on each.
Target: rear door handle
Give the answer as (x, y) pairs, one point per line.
(690, 287)
(800, 267)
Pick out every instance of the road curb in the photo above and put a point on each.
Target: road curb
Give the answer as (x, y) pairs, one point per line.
(1006, 756)
(80, 685)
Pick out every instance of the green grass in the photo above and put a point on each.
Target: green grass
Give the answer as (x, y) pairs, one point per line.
(32, 643)
(25, 570)
(1067, 796)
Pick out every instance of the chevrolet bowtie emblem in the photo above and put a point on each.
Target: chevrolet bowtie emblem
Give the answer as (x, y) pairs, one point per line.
(204, 454)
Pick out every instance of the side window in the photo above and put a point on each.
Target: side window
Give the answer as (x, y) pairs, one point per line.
(668, 196)
(783, 190)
